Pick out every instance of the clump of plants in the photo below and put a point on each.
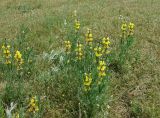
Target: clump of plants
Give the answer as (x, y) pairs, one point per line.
(74, 79)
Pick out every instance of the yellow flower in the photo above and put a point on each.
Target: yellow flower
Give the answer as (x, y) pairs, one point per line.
(33, 107)
(19, 60)
(89, 37)
(98, 51)
(18, 55)
(32, 100)
(131, 28)
(67, 46)
(102, 74)
(87, 81)
(6, 54)
(77, 24)
(124, 27)
(79, 51)
(101, 70)
(106, 44)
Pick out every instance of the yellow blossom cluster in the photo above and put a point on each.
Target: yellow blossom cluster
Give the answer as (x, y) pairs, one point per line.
(87, 81)
(129, 28)
(89, 38)
(98, 51)
(67, 46)
(6, 54)
(101, 70)
(103, 48)
(19, 60)
(79, 51)
(77, 25)
(124, 29)
(33, 105)
(106, 44)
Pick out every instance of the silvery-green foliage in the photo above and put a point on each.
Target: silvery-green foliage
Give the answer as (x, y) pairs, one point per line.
(56, 58)
(9, 109)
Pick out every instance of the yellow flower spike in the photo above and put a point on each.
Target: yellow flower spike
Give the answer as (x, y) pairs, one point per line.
(79, 51)
(124, 27)
(124, 30)
(77, 24)
(131, 28)
(102, 63)
(6, 54)
(101, 70)
(98, 51)
(106, 44)
(67, 46)
(87, 81)
(102, 74)
(19, 60)
(18, 55)
(32, 101)
(89, 38)
(33, 106)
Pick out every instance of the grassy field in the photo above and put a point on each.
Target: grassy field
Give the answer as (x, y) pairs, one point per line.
(38, 25)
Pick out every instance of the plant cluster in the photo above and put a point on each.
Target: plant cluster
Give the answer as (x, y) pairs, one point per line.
(79, 74)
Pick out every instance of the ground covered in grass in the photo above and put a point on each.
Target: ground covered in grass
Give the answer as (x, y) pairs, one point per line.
(37, 30)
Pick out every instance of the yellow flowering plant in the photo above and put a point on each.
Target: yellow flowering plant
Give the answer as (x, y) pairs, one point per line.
(98, 51)
(131, 29)
(79, 51)
(106, 44)
(87, 81)
(89, 38)
(33, 105)
(126, 42)
(92, 61)
(101, 70)
(77, 25)
(6, 54)
(19, 60)
(67, 46)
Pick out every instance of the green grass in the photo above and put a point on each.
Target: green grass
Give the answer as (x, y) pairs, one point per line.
(133, 89)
